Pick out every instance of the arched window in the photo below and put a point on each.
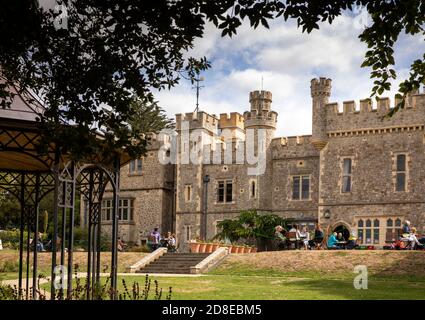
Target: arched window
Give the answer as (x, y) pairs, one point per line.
(368, 223)
(398, 222)
(393, 230)
(376, 231)
(360, 223)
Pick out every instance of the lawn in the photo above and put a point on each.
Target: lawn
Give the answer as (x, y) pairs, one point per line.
(305, 275)
(10, 258)
(299, 275)
(283, 286)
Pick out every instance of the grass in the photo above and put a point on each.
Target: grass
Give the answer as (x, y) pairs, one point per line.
(317, 275)
(275, 287)
(11, 257)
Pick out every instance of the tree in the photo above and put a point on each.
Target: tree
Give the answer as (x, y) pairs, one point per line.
(250, 226)
(90, 54)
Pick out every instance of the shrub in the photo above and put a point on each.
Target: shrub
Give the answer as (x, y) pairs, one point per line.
(10, 238)
(135, 292)
(9, 266)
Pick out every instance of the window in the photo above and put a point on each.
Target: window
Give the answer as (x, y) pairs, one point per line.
(393, 229)
(136, 166)
(368, 231)
(188, 232)
(225, 191)
(253, 189)
(346, 175)
(188, 193)
(300, 187)
(125, 210)
(400, 172)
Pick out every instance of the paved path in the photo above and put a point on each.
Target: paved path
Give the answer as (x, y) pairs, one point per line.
(80, 275)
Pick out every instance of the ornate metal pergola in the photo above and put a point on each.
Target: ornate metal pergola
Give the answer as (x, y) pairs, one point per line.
(30, 176)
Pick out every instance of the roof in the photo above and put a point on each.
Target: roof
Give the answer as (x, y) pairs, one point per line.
(20, 132)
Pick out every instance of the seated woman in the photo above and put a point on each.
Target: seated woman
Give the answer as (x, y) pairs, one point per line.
(305, 237)
(318, 237)
(281, 239)
(332, 241)
(414, 240)
(352, 240)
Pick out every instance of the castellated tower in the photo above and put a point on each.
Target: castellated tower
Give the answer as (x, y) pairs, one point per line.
(261, 116)
(320, 93)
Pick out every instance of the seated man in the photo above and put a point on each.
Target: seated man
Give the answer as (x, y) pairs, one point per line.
(281, 239)
(154, 239)
(332, 241)
(121, 245)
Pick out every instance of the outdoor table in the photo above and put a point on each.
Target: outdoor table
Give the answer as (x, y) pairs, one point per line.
(342, 244)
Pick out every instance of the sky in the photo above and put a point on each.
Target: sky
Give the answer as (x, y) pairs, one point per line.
(286, 59)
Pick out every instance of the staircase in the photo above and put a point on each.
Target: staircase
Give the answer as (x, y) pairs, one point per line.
(174, 263)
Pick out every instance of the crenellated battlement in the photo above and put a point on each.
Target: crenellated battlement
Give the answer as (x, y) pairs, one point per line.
(292, 141)
(295, 146)
(260, 100)
(232, 120)
(369, 113)
(321, 87)
(198, 120)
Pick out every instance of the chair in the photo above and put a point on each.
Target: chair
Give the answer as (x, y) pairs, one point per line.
(292, 239)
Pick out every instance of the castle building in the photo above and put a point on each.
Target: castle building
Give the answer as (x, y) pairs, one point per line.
(358, 171)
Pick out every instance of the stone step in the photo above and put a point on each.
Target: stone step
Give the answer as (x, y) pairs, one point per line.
(174, 263)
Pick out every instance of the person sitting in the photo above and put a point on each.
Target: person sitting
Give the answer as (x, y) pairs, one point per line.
(296, 239)
(406, 227)
(154, 239)
(305, 237)
(170, 242)
(332, 241)
(121, 245)
(281, 239)
(414, 240)
(318, 237)
(352, 240)
(40, 246)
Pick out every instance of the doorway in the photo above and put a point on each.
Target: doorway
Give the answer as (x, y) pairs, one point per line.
(344, 230)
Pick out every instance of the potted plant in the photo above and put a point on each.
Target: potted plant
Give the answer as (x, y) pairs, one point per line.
(194, 246)
(208, 247)
(214, 246)
(247, 249)
(233, 249)
(253, 249)
(202, 246)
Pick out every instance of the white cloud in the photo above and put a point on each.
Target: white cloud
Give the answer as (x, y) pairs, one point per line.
(287, 59)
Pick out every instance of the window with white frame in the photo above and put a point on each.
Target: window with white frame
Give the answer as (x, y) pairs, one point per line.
(224, 191)
(135, 166)
(393, 229)
(368, 231)
(188, 232)
(346, 175)
(301, 187)
(125, 210)
(401, 171)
